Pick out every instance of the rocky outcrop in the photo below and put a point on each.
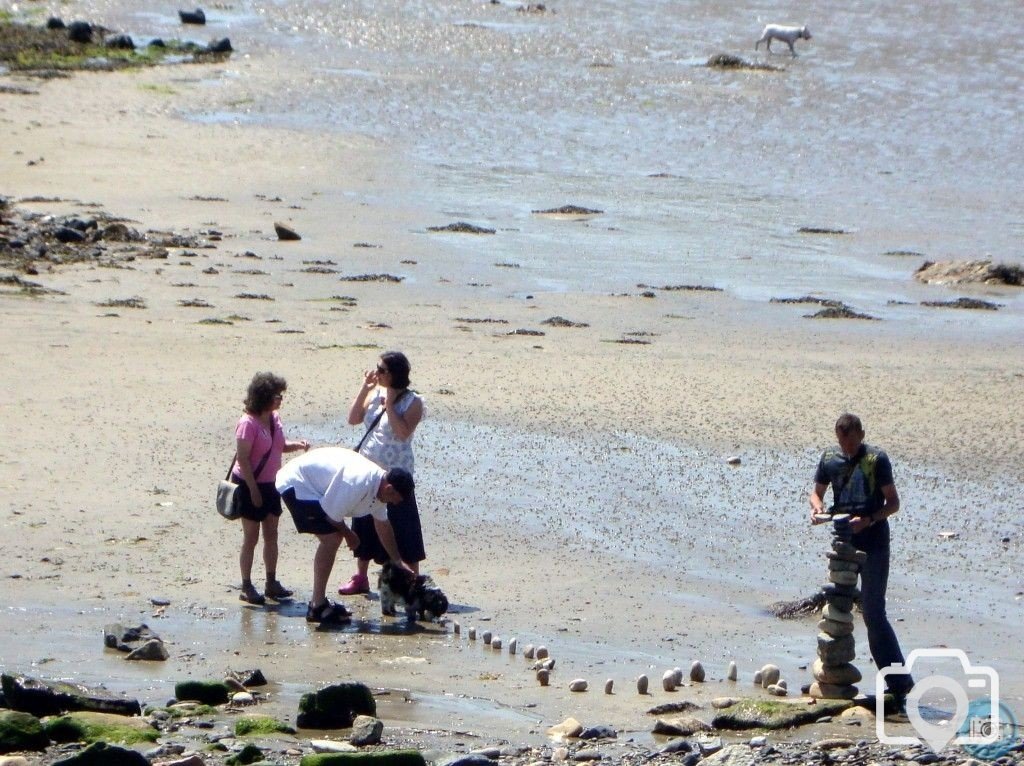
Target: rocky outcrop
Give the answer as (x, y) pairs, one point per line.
(335, 706)
(968, 272)
(41, 698)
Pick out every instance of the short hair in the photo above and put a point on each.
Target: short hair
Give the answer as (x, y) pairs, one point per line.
(849, 423)
(263, 387)
(398, 366)
(402, 481)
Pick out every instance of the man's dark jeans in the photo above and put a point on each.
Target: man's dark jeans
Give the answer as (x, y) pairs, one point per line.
(874, 577)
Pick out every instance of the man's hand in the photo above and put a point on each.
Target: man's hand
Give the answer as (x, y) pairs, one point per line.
(860, 523)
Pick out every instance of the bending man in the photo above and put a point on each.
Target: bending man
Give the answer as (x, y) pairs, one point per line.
(323, 487)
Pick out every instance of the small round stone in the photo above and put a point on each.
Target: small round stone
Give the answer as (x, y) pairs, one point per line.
(757, 678)
(542, 652)
(578, 685)
(472, 634)
(496, 642)
(457, 627)
(486, 637)
(642, 683)
(769, 675)
(697, 674)
(608, 686)
(528, 651)
(668, 681)
(543, 676)
(512, 644)
(733, 673)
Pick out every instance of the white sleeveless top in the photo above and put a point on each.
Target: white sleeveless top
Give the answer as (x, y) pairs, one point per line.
(382, 446)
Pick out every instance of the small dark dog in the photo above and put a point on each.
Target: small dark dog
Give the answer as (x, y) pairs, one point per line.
(419, 596)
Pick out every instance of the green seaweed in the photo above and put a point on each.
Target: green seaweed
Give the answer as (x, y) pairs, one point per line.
(372, 758)
(261, 725)
(84, 726)
(769, 714)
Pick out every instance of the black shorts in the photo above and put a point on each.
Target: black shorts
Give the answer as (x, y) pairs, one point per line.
(271, 500)
(405, 520)
(308, 515)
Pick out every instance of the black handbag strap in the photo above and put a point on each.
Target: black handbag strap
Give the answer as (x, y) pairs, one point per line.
(263, 462)
(376, 420)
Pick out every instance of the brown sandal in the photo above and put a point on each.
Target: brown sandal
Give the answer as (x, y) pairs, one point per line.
(276, 590)
(250, 595)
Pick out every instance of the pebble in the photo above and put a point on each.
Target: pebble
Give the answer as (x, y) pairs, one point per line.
(733, 673)
(544, 676)
(668, 681)
(496, 642)
(542, 652)
(608, 685)
(759, 741)
(234, 684)
(830, 612)
(642, 683)
(528, 651)
(833, 743)
(486, 637)
(733, 460)
(457, 627)
(578, 685)
(512, 643)
(679, 676)
(472, 634)
(757, 678)
(697, 674)
(720, 703)
(570, 727)
(776, 690)
(243, 698)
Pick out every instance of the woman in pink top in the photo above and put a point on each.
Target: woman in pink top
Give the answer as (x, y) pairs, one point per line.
(260, 442)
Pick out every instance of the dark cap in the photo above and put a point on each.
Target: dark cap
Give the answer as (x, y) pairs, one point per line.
(401, 480)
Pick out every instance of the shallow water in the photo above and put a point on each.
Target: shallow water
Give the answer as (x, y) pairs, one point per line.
(897, 123)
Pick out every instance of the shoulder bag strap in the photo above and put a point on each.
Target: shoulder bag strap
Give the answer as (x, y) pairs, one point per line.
(376, 420)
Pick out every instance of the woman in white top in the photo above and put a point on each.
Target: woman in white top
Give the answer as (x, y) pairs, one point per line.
(390, 411)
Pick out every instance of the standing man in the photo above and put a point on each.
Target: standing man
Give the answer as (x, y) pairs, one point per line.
(321, 488)
(863, 487)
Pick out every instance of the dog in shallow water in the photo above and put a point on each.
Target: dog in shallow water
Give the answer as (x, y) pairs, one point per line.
(416, 594)
(788, 35)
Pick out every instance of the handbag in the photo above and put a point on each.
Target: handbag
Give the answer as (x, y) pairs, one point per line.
(228, 499)
(376, 420)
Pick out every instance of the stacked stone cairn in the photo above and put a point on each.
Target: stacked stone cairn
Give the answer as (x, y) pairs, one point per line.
(835, 675)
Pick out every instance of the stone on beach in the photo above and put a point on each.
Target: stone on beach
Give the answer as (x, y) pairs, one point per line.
(830, 612)
(528, 652)
(757, 678)
(769, 675)
(472, 634)
(286, 233)
(697, 674)
(834, 628)
(578, 685)
(733, 672)
(197, 17)
(486, 637)
(834, 650)
(642, 682)
(832, 691)
(842, 578)
(570, 727)
(496, 642)
(512, 644)
(608, 686)
(542, 652)
(838, 674)
(544, 676)
(668, 681)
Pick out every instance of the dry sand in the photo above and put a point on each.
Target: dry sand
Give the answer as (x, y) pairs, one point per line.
(118, 422)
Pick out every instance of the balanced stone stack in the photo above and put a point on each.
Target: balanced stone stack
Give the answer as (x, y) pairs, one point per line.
(834, 672)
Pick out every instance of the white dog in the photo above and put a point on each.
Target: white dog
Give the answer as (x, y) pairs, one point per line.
(788, 35)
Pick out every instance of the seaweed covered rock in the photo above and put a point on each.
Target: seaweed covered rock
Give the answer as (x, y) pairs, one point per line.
(960, 272)
(41, 698)
(85, 726)
(21, 731)
(762, 714)
(335, 706)
(375, 758)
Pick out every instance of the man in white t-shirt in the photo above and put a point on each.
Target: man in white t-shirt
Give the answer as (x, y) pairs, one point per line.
(324, 486)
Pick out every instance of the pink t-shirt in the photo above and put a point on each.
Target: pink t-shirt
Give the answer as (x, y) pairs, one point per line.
(250, 429)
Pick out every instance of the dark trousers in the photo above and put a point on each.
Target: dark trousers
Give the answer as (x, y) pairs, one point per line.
(874, 578)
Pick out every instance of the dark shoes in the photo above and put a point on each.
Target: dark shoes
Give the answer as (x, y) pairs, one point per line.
(250, 595)
(328, 613)
(277, 591)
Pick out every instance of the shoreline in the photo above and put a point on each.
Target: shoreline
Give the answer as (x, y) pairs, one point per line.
(115, 416)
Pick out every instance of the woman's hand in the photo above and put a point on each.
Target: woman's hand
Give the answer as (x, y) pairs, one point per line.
(370, 379)
(256, 496)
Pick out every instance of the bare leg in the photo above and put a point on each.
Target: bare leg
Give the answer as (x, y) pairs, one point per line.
(363, 566)
(250, 536)
(269, 525)
(323, 563)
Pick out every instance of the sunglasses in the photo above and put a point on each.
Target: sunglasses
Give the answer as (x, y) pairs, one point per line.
(382, 370)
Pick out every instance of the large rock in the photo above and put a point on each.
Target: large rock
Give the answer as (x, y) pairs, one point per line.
(41, 698)
(85, 726)
(961, 272)
(680, 726)
(207, 692)
(764, 714)
(102, 754)
(366, 730)
(21, 731)
(836, 651)
(731, 755)
(335, 706)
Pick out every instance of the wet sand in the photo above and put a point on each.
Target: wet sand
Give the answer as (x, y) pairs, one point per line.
(574, 488)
